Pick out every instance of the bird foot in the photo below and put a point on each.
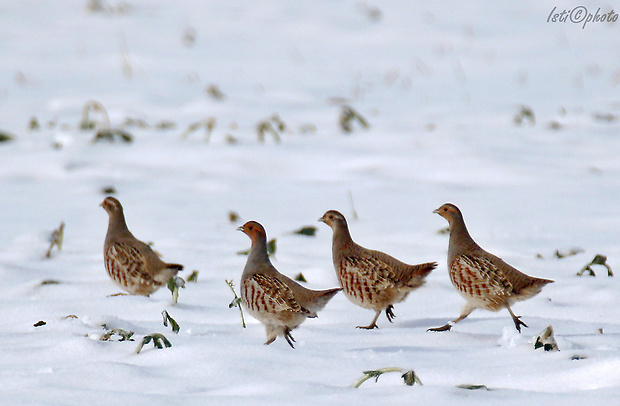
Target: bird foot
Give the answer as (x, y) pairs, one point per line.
(519, 323)
(389, 313)
(369, 327)
(119, 294)
(447, 327)
(289, 338)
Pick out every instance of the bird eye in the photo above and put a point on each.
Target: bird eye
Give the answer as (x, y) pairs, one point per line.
(250, 228)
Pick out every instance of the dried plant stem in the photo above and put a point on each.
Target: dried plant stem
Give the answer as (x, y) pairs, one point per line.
(236, 301)
(57, 237)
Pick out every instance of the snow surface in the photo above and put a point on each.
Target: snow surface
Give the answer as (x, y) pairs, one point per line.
(440, 84)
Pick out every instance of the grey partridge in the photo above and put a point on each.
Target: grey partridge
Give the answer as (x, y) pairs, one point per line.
(277, 301)
(371, 279)
(484, 280)
(132, 264)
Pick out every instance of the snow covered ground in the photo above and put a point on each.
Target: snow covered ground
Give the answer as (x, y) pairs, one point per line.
(440, 83)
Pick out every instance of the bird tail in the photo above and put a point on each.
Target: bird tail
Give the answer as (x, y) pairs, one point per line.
(321, 298)
(532, 289)
(175, 267)
(419, 273)
(168, 272)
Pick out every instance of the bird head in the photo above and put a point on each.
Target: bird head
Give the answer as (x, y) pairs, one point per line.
(334, 219)
(448, 211)
(254, 230)
(111, 205)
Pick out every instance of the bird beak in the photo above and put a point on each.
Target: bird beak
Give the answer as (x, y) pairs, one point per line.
(240, 228)
(322, 219)
(436, 211)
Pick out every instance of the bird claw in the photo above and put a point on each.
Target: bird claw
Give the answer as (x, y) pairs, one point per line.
(289, 338)
(369, 327)
(519, 323)
(389, 313)
(447, 327)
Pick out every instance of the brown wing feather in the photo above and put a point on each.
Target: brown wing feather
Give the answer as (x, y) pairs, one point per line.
(397, 272)
(380, 273)
(489, 275)
(520, 282)
(126, 263)
(280, 296)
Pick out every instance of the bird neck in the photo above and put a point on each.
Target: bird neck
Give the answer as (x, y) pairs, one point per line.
(117, 227)
(460, 240)
(257, 256)
(342, 241)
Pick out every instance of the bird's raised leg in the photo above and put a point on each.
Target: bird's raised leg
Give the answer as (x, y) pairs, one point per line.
(289, 337)
(389, 313)
(516, 319)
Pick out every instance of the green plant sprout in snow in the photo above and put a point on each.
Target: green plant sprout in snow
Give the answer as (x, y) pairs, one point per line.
(173, 324)
(598, 260)
(159, 342)
(174, 284)
(409, 376)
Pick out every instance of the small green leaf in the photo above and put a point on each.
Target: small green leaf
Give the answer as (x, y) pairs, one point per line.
(159, 342)
(193, 277)
(348, 116)
(108, 134)
(598, 260)
(525, 114)
(271, 247)
(546, 340)
(174, 284)
(472, 387)
(215, 93)
(4, 136)
(164, 125)
(40, 323)
(300, 278)
(309, 231)
(34, 124)
(123, 334)
(233, 216)
(173, 324)
(409, 376)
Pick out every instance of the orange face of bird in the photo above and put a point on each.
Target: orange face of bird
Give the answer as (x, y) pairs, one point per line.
(252, 229)
(447, 211)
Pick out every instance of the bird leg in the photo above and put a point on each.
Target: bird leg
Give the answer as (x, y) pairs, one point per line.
(119, 294)
(373, 324)
(516, 319)
(389, 313)
(466, 311)
(289, 337)
(445, 327)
